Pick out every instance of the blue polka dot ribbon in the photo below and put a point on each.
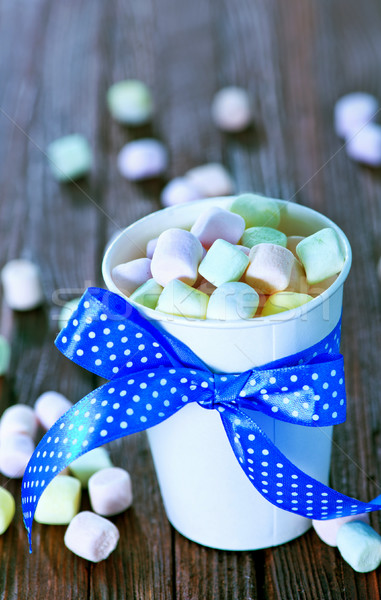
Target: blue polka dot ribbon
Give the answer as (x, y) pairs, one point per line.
(152, 375)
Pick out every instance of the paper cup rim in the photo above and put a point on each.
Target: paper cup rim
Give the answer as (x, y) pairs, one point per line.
(287, 315)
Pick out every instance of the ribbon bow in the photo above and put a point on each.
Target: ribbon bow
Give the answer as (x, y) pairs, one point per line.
(153, 375)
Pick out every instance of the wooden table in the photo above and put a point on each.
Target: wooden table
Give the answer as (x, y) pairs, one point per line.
(297, 57)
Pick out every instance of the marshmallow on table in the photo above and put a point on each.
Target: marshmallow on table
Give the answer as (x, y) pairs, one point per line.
(217, 223)
(59, 501)
(292, 242)
(321, 255)
(66, 312)
(233, 301)
(365, 146)
(91, 536)
(179, 191)
(15, 453)
(260, 235)
(130, 102)
(210, 180)
(231, 109)
(353, 111)
(147, 294)
(22, 285)
(178, 298)
(150, 248)
(142, 159)
(282, 301)
(5, 355)
(177, 256)
(110, 491)
(131, 275)
(224, 262)
(86, 465)
(50, 406)
(327, 529)
(18, 418)
(359, 545)
(7, 509)
(270, 268)
(69, 157)
(257, 210)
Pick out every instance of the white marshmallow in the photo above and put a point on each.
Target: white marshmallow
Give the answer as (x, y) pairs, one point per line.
(365, 146)
(211, 180)
(131, 275)
(143, 159)
(91, 537)
(150, 249)
(177, 256)
(231, 109)
(18, 418)
(15, 453)
(110, 491)
(270, 268)
(179, 191)
(352, 112)
(217, 223)
(327, 529)
(22, 285)
(50, 406)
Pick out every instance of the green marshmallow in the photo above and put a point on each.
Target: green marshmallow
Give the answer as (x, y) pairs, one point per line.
(130, 102)
(59, 502)
(147, 294)
(66, 312)
(263, 235)
(70, 157)
(178, 298)
(7, 509)
(321, 255)
(224, 262)
(86, 465)
(5, 355)
(257, 210)
(233, 301)
(360, 546)
(282, 301)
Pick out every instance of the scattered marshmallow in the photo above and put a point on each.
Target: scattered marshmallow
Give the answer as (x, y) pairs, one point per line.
(22, 284)
(352, 112)
(270, 268)
(131, 275)
(143, 159)
(327, 529)
(321, 255)
(130, 102)
(69, 157)
(15, 453)
(110, 491)
(224, 262)
(179, 191)
(177, 256)
(50, 406)
(360, 546)
(258, 211)
(147, 294)
(233, 301)
(67, 311)
(91, 537)
(59, 501)
(231, 109)
(217, 223)
(18, 418)
(365, 146)
(7, 509)
(5, 355)
(178, 298)
(210, 180)
(86, 465)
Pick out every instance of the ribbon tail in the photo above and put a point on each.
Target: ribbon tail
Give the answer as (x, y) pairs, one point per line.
(278, 479)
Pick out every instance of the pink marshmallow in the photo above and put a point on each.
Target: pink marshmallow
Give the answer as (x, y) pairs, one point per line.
(50, 406)
(18, 418)
(131, 275)
(244, 249)
(327, 530)
(179, 191)
(217, 223)
(177, 256)
(270, 268)
(150, 249)
(91, 537)
(365, 145)
(110, 491)
(15, 453)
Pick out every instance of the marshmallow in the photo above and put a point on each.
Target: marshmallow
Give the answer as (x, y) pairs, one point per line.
(210, 180)
(130, 102)
(59, 501)
(131, 275)
(7, 509)
(142, 159)
(150, 248)
(321, 255)
(147, 294)
(365, 146)
(179, 191)
(270, 268)
(318, 288)
(178, 298)
(18, 418)
(50, 406)
(231, 109)
(22, 285)
(292, 242)
(86, 465)
(67, 311)
(282, 301)
(91, 537)
(257, 211)
(233, 301)
(224, 262)
(244, 249)
(298, 281)
(205, 286)
(5, 355)
(260, 235)
(69, 157)
(110, 491)
(327, 529)
(359, 545)
(15, 453)
(177, 256)
(217, 223)
(353, 111)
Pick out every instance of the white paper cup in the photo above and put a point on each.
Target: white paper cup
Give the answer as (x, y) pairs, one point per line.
(206, 495)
